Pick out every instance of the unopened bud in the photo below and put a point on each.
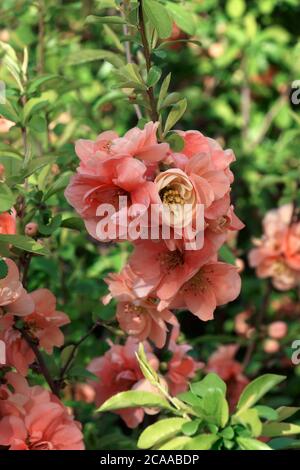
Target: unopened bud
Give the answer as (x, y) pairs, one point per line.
(31, 229)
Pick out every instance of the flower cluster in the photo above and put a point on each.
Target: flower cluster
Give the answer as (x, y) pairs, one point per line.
(277, 253)
(31, 418)
(161, 274)
(37, 312)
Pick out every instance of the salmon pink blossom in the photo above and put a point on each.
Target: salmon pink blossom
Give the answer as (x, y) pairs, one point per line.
(118, 370)
(8, 223)
(31, 418)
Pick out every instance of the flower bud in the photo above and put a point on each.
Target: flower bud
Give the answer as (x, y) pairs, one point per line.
(31, 229)
(277, 329)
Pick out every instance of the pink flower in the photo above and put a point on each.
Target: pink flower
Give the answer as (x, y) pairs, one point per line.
(31, 418)
(167, 270)
(8, 223)
(12, 294)
(18, 352)
(5, 125)
(181, 368)
(222, 362)
(141, 144)
(45, 321)
(277, 254)
(112, 178)
(118, 370)
(277, 329)
(139, 318)
(214, 284)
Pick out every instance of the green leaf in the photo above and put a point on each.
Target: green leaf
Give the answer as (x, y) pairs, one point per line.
(280, 429)
(7, 111)
(227, 433)
(226, 255)
(177, 443)
(133, 399)
(282, 443)
(163, 90)
(36, 83)
(25, 243)
(249, 418)
(160, 431)
(7, 198)
(175, 114)
(48, 229)
(36, 164)
(105, 19)
(59, 185)
(170, 99)
(267, 412)
(285, 412)
(74, 223)
(246, 443)
(210, 382)
(91, 55)
(33, 106)
(182, 17)
(215, 408)
(153, 76)
(175, 141)
(202, 442)
(235, 8)
(191, 427)
(129, 77)
(190, 399)
(159, 17)
(257, 389)
(3, 269)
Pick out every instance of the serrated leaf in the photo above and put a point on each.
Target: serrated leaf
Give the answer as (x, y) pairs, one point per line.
(133, 399)
(161, 431)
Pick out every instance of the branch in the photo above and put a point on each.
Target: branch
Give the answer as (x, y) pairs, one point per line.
(147, 54)
(40, 360)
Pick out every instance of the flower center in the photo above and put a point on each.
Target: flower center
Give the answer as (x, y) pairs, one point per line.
(172, 259)
(169, 196)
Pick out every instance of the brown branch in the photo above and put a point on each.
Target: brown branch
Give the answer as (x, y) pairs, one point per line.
(147, 54)
(71, 357)
(41, 362)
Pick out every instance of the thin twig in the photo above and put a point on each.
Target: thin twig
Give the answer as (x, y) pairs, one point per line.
(129, 60)
(150, 92)
(40, 360)
(69, 361)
